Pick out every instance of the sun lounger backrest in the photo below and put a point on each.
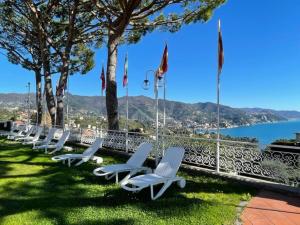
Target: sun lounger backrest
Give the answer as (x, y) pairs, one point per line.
(50, 135)
(63, 138)
(140, 155)
(93, 148)
(170, 162)
(38, 133)
(30, 131)
(13, 127)
(21, 128)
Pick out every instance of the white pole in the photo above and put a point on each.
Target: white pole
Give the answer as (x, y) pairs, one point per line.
(44, 107)
(28, 105)
(156, 122)
(218, 113)
(55, 111)
(127, 107)
(68, 101)
(218, 125)
(37, 105)
(127, 125)
(164, 120)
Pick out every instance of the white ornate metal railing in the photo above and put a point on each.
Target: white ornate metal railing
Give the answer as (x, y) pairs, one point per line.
(238, 158)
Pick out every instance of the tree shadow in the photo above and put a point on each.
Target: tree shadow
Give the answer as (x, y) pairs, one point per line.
(56, 188)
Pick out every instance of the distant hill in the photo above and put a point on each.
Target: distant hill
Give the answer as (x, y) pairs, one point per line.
(143, 108)
(288, 114)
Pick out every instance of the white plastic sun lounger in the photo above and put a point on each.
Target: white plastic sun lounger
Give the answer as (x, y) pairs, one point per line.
(31, 140)
(84, 157)
(47, 139)
(27, 135)
(57, 146)
(16, 133)
(133, 165)
(20, 134)
(165, 173)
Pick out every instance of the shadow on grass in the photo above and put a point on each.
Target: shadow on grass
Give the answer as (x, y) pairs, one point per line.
(56, 189)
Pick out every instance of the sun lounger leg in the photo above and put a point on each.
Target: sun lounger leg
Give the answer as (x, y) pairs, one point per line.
(151, 190)
(107, 177)
(79, 163)
(117, 178)
(161, 191)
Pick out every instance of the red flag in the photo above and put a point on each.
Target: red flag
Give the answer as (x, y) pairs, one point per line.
(125, 77)
(163, 68)
(102, 77)
(220, 51)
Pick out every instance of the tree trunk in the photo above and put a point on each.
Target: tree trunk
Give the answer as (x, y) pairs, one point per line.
(39, 106)
(111, 85)
(49, 91)
(60, 93)
(60, 112)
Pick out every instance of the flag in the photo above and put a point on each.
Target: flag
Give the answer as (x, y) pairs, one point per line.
(163, 68)
(220, 51)
(125, 77)
(102, 77)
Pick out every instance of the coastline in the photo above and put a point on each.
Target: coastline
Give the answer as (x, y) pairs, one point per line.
(263, 123)
(266, 133)
(249, 125)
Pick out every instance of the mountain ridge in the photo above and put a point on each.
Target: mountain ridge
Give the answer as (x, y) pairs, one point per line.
(187, 114)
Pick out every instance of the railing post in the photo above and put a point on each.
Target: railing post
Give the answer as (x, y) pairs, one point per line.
(218, 156)
(126, 141)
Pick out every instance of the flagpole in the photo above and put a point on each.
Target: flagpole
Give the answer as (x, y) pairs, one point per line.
(156, 122)
(127, 107)
(127, 126)
(164, 116)
(68, 101)
(28, 104)
(127, 103)
(55, 111)
(45, 106)
(218, 124)
(218, 98)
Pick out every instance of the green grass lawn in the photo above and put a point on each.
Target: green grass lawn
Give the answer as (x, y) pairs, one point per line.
(36, 190)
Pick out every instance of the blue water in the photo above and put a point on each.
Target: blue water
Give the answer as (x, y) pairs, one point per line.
(266, 133)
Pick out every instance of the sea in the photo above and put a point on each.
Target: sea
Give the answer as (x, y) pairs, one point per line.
(266, 133)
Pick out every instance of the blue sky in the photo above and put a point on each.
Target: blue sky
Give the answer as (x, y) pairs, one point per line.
(261, 41)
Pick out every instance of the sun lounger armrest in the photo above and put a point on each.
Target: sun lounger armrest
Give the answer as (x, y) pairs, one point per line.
(133, 189)
(98, 172)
